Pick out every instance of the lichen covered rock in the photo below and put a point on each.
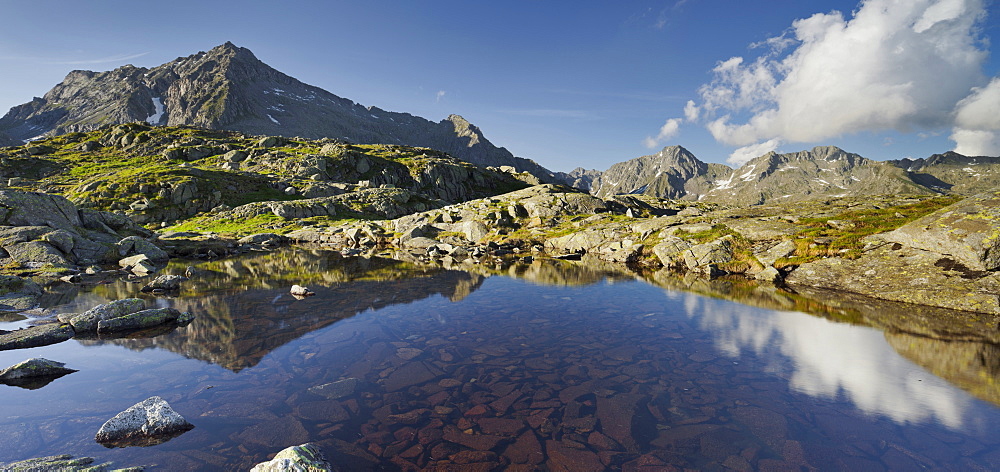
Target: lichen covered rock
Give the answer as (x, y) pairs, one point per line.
(304, 458)
(898, 273)
(88, 321)
(35, 367)
(149, 422)
(969, 231)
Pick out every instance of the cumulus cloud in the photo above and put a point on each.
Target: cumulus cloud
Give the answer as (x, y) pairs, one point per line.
(977, 122)
(667, 131)
(890, 66)
(745, 153)
(691, 111)
(439, 96)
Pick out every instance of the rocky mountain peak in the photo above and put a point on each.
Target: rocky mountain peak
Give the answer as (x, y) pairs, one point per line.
(464, 129)
(667, 174)
(229, 88)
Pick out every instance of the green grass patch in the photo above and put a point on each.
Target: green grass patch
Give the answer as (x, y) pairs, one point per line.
(236, 226)
(844, 238)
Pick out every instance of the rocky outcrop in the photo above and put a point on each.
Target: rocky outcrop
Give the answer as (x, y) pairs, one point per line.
(18, 293)
(123, 315)
(39, 229)
(905, 274)
(151, 421)
(968, 232)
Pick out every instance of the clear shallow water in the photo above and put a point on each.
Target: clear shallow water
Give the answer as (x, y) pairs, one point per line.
(565, 367)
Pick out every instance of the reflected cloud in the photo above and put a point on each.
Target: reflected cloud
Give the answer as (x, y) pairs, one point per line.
(832, 360)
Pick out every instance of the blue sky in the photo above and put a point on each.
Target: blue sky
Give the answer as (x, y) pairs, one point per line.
(581, 83)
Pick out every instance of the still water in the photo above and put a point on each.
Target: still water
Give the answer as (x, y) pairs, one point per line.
(553, 366)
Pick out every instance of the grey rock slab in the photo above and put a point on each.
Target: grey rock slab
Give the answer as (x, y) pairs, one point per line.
(702, 255)
(303, 458)
(35, 336)
(969, 231)
(139, 264)
(903, 274)
(34, 367)
(141, 319)
(88, 321)
(148, 422)
(61, 463)
(670, 249)
(135, 245)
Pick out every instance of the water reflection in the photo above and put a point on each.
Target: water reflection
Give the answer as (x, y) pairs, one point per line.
(237, 322)
(244, 311)
(832, 360)
(582, 368)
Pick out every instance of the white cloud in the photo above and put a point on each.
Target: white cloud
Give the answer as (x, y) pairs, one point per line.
(891, 66)
(691, 111)
(745, 153)
(976, 142)
(667, 131)
(439, 96)
(977, 122)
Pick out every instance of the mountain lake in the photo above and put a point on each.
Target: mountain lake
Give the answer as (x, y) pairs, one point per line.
(550, 366)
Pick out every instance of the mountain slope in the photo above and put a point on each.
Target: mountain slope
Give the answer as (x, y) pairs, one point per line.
(671, 173)
(229, 88)
(824, 171)
(953, 172)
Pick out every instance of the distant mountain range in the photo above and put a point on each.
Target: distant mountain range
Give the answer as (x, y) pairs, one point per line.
(823, 172)
(229, 88)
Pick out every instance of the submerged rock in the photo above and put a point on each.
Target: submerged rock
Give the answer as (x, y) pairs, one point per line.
(35, 367)
(149, 422)
(338, 389)
(35, 336)
(304, 458)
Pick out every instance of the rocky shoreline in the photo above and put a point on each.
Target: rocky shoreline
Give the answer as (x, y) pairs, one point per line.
(947, 258)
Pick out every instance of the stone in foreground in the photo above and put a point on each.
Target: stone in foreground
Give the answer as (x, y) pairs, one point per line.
(305, 458)
(146, 423)
(35, 336)
(62, 462)
(35, 367)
